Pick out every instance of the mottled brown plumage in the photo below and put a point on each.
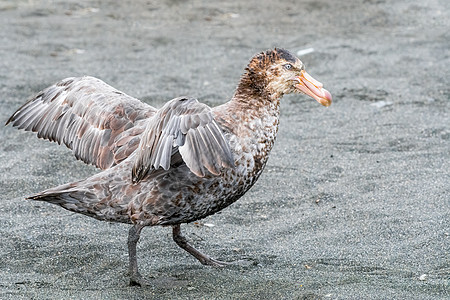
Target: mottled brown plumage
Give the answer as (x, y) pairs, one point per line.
(165, 166)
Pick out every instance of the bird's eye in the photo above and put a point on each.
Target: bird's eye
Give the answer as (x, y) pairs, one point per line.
(288, 66)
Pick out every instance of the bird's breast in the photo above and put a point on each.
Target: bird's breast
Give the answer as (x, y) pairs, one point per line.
(251, 146)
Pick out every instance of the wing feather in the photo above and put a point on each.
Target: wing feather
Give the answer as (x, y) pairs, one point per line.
(183, 126)
(88, 116)
(190, 154)
(211, 160)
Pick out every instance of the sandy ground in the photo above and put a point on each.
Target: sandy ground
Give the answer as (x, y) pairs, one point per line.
(354, 203)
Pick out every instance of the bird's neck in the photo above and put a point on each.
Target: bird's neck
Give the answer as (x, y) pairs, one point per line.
(254, 88)
(252, 106)
(250, 120)
(252, 115)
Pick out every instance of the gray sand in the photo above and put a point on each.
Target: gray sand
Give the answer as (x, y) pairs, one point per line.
(354, 203)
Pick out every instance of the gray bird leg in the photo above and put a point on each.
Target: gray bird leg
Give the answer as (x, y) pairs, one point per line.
(133, 238)
(183, 243)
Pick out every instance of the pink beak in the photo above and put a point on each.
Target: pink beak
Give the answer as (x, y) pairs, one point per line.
(313, 88)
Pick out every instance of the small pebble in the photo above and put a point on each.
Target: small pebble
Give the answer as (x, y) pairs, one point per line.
(305, 51)
(423, 277)
(380, 104)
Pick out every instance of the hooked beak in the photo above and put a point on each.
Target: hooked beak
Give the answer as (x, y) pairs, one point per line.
(313, 88)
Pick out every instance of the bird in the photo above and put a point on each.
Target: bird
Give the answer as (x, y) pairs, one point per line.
(168, 166)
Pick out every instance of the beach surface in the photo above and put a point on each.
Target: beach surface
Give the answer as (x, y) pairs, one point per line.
(353, 204)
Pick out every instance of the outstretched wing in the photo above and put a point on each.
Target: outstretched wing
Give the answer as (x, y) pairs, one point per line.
(186, 126)
(100, 124)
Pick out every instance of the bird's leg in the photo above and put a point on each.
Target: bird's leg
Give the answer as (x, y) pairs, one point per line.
(183, 243)
(133, 238)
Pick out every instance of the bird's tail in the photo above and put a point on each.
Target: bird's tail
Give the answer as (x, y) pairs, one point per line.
(83, 199)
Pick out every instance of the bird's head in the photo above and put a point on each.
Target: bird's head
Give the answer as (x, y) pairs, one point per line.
(277, 72)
